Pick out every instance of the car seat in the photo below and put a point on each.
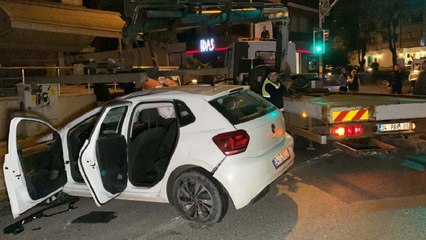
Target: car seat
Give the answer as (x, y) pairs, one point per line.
(144, 149)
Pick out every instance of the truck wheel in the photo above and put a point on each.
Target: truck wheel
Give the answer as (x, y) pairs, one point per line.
(300, 82)
(256, 78)
(199, 198)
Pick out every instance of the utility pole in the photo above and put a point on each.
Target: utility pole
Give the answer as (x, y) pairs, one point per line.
(324, 10)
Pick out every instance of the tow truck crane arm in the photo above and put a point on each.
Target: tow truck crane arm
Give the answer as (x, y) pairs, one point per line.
(163, 15)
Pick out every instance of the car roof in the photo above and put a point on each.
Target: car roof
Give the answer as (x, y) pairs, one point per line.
(207, 92)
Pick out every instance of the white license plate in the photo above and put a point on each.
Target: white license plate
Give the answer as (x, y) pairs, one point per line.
(281, 158)
(393, 127)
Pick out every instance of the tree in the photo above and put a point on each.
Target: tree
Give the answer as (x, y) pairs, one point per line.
(389, 16)
(337, 51)
(351, 25)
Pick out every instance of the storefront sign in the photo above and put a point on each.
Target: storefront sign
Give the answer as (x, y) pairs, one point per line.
(207, 45)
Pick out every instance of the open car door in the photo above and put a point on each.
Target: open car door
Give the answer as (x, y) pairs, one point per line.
(103, 160)
(34, 168)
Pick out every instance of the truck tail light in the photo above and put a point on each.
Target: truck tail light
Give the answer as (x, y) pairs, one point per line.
(231, 143)
(344, 131)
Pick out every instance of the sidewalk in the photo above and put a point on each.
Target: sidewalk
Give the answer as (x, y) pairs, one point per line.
(377, 88)
(380, 88)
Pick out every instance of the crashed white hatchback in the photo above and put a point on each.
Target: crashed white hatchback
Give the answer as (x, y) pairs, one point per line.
(193, 146)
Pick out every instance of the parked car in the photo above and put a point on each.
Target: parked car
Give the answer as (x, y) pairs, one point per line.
(192, 146)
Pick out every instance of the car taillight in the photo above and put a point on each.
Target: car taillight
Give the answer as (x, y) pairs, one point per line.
(231, 143)
(343, 131)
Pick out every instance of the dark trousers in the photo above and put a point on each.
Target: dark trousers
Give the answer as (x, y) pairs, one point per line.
(396, 89)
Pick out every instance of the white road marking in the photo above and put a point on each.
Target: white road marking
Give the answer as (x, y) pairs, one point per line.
(317, 159)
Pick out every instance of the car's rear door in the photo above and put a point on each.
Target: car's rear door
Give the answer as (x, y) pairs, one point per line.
(34, 168)
(103, 160)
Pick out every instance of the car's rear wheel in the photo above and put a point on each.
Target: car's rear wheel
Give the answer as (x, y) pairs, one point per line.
(199, 198)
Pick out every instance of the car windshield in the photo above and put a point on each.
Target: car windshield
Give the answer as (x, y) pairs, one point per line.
(242, 106)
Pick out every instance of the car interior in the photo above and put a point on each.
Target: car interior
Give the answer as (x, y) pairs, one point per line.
(76, 138)
(152, 143)
(149, 149)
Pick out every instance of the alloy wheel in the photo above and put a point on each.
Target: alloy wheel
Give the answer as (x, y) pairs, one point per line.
(195, 199)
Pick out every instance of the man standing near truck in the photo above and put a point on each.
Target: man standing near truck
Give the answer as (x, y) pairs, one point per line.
(272, 90)
(397, 77)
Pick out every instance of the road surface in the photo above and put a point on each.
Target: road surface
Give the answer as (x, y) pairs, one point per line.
(326, 195)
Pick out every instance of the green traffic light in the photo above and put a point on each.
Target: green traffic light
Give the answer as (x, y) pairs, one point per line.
(319, 49)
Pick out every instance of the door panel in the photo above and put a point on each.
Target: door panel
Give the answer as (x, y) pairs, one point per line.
(104, 158)
(112, 156)
(34, 167)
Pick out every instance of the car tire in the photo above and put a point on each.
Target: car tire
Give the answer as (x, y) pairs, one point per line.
(199, 198)
(256, 78)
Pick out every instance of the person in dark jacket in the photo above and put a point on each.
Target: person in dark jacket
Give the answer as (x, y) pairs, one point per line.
(342, 81)
(353, 81)
(272, 90)
(420, 87)
(396, 80)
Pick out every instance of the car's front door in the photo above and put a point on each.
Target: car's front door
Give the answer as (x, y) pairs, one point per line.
(103, 161)
(34, 168)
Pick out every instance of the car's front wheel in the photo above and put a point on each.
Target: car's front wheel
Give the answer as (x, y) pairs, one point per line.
(199, 198)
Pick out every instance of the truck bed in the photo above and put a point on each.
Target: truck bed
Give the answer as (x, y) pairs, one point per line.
(378, 107)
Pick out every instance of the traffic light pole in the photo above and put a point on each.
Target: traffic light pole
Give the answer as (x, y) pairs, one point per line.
(324, 10)
(320, 60)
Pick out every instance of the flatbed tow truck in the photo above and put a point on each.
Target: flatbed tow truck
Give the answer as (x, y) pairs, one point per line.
(358, 123)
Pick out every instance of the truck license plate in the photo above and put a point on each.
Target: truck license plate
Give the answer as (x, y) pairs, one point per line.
(393, 127)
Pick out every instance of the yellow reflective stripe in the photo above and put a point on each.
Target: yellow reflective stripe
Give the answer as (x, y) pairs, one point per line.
(350, 116)
(334, 115)
(364, 116)
(264, 92)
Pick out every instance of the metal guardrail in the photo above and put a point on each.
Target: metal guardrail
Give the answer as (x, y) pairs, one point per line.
(24, 71)
(27, 75)
(21, 74)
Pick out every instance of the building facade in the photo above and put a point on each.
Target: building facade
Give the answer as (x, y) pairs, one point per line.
(411, 42)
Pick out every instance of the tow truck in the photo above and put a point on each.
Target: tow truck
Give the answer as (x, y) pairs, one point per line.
(360, 124)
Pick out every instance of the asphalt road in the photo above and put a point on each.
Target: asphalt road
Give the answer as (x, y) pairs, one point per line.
(326, 195)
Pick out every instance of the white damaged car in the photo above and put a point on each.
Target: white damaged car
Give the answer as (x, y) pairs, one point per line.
(194, 147)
